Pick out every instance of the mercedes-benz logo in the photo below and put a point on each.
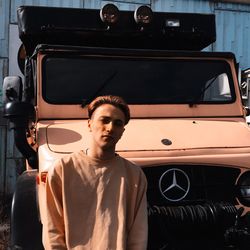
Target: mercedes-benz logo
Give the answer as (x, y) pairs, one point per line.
(174, 184)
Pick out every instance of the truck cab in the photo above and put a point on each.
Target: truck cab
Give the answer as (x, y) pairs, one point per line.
(187, 132)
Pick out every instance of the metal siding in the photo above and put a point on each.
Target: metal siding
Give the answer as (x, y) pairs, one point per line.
(126, 3)
(233, 7)
(2, 158)
(4, 22)
(3, 129)
(132, 1)
(233, 34)
(3, 73)
(92, 4)
(195, 6)
(122, 4)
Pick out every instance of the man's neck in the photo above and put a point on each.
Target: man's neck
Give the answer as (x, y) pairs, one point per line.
(101, 154)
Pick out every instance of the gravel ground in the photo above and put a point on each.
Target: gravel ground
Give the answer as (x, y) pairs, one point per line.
(5, 204)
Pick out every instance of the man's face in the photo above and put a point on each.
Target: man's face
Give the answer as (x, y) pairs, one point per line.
(107, 126)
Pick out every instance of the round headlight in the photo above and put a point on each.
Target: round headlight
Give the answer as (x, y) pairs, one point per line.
(243, 189)
(109, 14)
(143, 15)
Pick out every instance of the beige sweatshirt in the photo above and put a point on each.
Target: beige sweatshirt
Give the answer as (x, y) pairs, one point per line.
(93, 204)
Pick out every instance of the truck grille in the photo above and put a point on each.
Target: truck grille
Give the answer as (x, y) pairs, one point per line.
(190, 184)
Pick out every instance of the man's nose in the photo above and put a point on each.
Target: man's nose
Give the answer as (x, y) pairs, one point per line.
(110, 126)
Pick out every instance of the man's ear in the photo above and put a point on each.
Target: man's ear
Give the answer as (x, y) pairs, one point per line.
(89, 125)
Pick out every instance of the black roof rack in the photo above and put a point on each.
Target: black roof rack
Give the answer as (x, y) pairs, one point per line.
(84, 27)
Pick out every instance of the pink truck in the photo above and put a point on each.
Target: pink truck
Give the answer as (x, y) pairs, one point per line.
(188, 129)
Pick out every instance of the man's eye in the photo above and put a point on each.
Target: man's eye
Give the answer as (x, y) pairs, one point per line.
(105, 120)
(119, 123)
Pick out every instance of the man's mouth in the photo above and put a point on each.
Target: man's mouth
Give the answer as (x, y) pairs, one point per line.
(108, 136)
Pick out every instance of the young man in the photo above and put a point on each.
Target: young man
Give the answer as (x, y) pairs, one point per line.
(95, 198)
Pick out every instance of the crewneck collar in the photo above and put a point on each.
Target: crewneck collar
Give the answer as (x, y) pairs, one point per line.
(98, 161)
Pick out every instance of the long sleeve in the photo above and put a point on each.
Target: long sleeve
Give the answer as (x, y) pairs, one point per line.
(138, 233)
(53, 231)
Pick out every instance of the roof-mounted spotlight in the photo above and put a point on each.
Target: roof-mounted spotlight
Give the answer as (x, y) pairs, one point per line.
(109, 14)
(143, 15)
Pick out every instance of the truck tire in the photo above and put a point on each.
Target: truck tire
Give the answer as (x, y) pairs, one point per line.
(26, 228)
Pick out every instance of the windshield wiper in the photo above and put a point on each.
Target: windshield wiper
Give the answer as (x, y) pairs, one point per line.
(197, 98)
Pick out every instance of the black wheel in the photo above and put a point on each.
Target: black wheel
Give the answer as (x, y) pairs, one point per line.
(26, 228)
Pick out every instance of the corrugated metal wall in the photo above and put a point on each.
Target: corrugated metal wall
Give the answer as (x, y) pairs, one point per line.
(2, 157)
(233, 21)
(4, 21)
(199, 6)
(233, 34)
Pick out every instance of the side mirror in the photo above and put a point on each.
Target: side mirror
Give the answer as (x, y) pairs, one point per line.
(14, 107)
(19, 113)
(12, 89)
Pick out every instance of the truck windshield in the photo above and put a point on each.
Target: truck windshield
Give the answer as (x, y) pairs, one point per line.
(77, 80)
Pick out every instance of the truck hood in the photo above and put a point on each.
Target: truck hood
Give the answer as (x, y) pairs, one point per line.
(152, 135)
